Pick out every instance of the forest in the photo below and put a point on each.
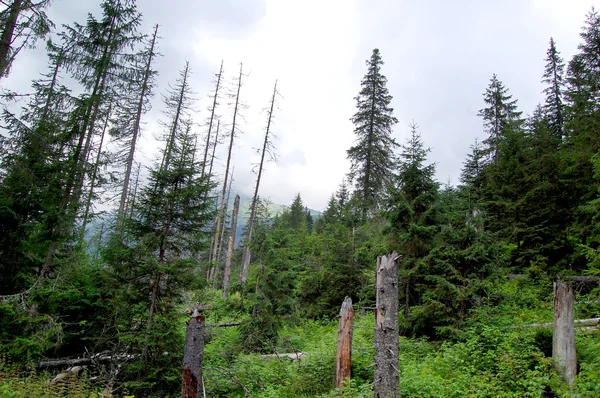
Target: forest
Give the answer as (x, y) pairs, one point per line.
(104, 257)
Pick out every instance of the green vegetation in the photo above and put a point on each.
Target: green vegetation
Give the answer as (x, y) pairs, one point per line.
(528, 204)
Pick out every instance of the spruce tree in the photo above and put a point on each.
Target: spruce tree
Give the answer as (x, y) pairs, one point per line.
(412, 213)
(500, 113)
(372, 158)
(554, 78)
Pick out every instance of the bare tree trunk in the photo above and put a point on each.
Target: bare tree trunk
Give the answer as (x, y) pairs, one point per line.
(93, 180)
(212, 157)
(216, 261)
(266, 146)
(387, 375)
(192, 384)
(210, 123)
(563, 338)
(136, 127)
(227, 270)
(231, 137)
(7, 36)
(343, 357)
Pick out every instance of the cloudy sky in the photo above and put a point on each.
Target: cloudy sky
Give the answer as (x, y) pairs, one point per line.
(439, 56)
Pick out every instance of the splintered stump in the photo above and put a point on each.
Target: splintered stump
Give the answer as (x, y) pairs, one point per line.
(386, 375)
(192, 357)
(343, 357)
(563, 338)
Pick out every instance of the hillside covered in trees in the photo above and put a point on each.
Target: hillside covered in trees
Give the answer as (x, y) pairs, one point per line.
(102, 255)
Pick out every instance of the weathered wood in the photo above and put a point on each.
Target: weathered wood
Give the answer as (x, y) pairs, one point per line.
(343, 357)
(292, 355)
(563, 338)
(227, 271)
(192, 357)
(386, 377)
(576, 323)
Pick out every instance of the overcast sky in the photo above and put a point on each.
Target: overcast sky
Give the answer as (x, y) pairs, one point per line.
(439, 56)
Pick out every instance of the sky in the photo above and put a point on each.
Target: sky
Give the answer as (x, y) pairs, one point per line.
(439, 57)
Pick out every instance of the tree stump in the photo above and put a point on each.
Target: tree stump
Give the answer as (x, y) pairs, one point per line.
(343, 357)
(387, 374)
(193, 355)
(563, 337)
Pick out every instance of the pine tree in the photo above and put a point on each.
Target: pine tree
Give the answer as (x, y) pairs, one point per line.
(34, 168)
(471, 176)
(372, 159)
(412, 212)
(553, 77)
(500, 113)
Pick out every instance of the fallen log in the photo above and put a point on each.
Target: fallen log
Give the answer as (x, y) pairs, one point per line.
(577, 323)
(294, 356)
(71, 362)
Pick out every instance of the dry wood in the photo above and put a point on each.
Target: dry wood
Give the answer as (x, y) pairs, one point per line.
(193, 354)
(227, 270)
(386, 377)
(576, 323)
(343, 357)
(563, 338)
(292, 355)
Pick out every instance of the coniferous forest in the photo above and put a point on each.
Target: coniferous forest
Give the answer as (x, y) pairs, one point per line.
(103, 257)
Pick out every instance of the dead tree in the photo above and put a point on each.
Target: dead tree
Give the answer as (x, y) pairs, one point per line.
(221, 214)
(211, 120)
(145, 91)
(387, 375)
(192, 384)
(232, 229)
(93, 178)
(563, 338)
(267, 148)
(343, 357)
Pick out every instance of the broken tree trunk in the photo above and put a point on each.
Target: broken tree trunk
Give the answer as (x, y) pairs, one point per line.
(386, 377)
(563, 338)
(227, 270)
(343, 357)
(192, 357)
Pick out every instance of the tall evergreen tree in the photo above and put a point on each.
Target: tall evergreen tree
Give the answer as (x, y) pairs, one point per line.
(554, 79)
(501, 111)
(372, 158)
(412, 213)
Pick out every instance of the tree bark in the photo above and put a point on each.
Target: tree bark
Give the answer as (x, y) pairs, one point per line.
(193, 355)
(7, 36)
(227, 270)
(343, 357)
(386, 377)
(563, 338)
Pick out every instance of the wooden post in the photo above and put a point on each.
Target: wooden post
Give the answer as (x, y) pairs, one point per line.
(563, 338)
(387, 374)
(227, 271)
(192, 357)
(343, 356)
